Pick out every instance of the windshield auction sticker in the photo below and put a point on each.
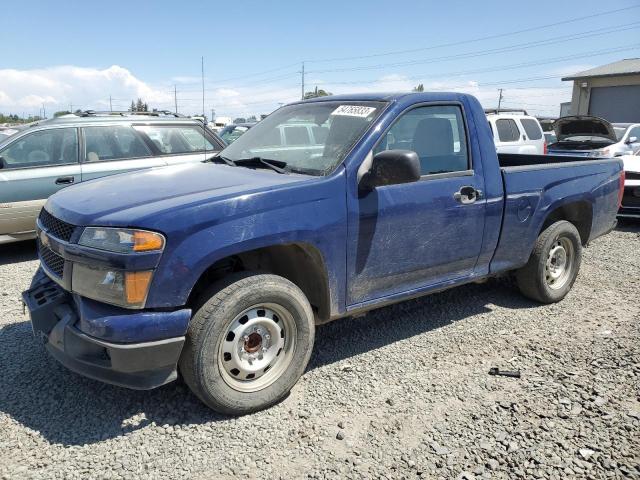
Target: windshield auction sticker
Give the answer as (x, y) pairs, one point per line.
(353, 111)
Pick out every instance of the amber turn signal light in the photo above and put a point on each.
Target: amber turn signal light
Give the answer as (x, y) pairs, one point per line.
(144, 241)
(137, 286)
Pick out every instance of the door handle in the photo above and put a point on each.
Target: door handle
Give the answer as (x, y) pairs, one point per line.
(65, 180)
(467, 195)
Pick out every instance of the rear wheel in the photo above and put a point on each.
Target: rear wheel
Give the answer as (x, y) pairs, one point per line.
(248, 344)
(554, 264)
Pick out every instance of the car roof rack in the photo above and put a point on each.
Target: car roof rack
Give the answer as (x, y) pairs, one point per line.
(496, 111)
(125, 113)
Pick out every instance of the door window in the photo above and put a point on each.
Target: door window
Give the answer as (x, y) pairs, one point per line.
(320, 134)
(41, 149)
(507, 130)
(635, 132)
(175, 140)
(436, 133)
(113, 143)
(532, 128)
(297, 135)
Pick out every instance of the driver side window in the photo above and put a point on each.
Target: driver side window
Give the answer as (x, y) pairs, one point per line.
(41, 149)
(436, 133)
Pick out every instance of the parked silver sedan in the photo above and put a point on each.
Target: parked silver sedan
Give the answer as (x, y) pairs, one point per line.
(53, 154)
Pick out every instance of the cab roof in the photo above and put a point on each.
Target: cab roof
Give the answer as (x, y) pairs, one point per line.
(389, 97)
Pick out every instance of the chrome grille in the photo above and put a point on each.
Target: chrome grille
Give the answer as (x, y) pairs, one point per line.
(56, 228)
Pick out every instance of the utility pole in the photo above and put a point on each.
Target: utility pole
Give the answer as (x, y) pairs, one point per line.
(175, 98)
(110, 104)
(44, 112)
(302, 96)
(499, 99)
(202, 58)
(213, 113)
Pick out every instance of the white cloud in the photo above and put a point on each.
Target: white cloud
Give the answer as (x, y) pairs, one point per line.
(89, 88)
(26, 91)
(58, 87)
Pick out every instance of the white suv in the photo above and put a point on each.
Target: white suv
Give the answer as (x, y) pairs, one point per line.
(516, 132)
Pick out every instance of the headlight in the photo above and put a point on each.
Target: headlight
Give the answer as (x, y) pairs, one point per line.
(121, 240)
(604, 153)
(126, 289)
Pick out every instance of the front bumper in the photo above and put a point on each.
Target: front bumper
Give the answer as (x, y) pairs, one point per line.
(139, 366)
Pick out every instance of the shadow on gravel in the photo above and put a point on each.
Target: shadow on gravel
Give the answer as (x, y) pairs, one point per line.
(350, 337)
(18, 252)
(69, 409)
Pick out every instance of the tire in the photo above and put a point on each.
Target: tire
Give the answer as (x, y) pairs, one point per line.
(249, 323)
(542, 279)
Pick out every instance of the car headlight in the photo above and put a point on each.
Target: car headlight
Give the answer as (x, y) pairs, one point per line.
(116, 287)
(121, 240)
(603, 153)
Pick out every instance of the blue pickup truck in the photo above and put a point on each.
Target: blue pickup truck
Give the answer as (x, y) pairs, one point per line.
(221, 270)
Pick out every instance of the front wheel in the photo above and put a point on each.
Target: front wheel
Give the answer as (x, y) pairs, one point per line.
(554, 264)
(248, 344)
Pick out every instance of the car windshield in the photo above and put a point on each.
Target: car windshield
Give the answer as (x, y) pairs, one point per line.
(619, 132)
(311, 138)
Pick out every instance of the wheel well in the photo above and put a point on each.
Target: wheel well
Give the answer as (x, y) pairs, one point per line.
(299, 263)
(580, 214)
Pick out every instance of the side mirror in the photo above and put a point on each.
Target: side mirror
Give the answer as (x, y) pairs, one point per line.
(3, 163)
(632, 140)
(392, 167)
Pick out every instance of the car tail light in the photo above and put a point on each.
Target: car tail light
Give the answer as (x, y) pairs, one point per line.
(545, 150)
(621, 191)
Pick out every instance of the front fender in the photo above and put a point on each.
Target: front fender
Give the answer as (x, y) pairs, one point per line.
(320, 222)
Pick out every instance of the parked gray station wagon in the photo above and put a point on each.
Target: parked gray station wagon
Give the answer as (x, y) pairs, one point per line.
(53, 154)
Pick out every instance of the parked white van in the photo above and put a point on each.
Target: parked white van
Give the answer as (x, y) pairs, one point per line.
(516, 132)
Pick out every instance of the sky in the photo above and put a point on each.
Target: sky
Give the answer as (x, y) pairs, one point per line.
(81, 54)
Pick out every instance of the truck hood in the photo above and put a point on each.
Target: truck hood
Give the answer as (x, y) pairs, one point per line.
(583, 125)
(126, 198)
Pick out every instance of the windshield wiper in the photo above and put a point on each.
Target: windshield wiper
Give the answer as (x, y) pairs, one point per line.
(219, 158)
(277, 165)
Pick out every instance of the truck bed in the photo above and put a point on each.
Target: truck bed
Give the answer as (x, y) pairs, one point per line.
(537, 185)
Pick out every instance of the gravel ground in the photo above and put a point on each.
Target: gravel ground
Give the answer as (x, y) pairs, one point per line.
(401, 393)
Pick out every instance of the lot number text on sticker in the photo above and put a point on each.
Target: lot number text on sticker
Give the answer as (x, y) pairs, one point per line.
(353, 111)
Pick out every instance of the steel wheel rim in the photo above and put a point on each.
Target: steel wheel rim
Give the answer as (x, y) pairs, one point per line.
(559, 264)
(257, 347)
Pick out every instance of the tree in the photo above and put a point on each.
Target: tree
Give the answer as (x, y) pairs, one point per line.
(60, 113)
(252, 118)
(138, 106)
(317, 93)
(419, 88)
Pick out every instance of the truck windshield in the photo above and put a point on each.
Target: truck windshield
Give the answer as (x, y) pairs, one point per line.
(310, 138)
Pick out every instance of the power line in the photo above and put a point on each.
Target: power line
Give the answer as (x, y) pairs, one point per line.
(498, 68)
(256, 74)
(480, 53)
(478, 39)
(262, 82)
